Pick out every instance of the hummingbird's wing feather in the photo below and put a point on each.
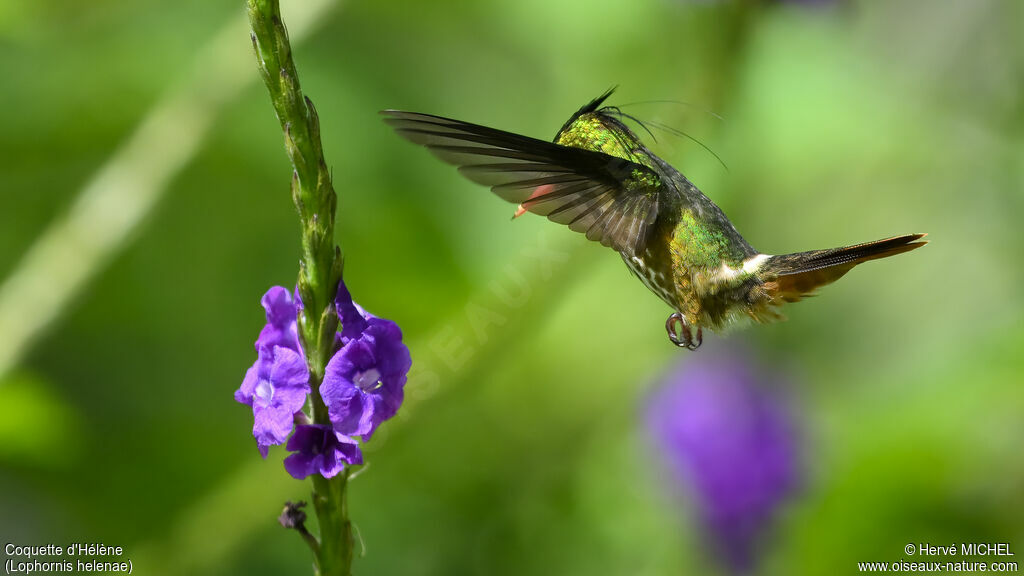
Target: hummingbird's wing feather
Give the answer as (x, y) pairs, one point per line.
(591, 192)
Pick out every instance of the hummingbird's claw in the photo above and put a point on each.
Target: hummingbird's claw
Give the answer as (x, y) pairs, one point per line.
(676, 326)
(680, 334)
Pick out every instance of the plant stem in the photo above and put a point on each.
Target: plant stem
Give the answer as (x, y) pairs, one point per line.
(330, 499)
(321, 263)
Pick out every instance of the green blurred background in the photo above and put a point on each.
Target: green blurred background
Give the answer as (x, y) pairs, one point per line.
(521, 448)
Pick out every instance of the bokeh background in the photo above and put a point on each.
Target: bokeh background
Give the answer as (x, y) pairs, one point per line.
(144, 209)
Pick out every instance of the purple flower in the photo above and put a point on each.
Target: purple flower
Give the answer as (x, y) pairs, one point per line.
(364, 381)
(354, 320)
(730, 441)
(276, 387)
(362, 387)
(320, 450)
(281, 328)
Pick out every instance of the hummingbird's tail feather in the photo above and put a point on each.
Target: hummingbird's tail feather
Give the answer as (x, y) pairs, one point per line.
(791, 277)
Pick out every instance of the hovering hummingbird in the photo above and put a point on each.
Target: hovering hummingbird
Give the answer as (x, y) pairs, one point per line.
(599, 179)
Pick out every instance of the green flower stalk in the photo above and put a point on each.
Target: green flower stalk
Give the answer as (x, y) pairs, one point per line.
(327, 371)
(320, 265)
(312, 191)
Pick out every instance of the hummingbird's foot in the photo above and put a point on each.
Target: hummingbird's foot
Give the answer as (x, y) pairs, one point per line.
(680, 333)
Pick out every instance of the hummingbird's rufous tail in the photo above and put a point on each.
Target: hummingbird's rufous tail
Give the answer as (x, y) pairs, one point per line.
(790, 277)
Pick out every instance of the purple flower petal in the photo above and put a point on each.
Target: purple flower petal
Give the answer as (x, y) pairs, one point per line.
(320, 450)
(276, 387)
(245, 391)
(289, 370)
(353, 320)
(346, 405)
(279, 306)
(281, 328)
(393, 356)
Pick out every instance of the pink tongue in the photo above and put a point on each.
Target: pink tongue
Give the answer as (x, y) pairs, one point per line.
(536, 196)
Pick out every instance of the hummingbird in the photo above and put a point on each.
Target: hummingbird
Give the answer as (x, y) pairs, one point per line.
(599, 179)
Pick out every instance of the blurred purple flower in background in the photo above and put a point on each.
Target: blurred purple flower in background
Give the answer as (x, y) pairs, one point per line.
(729, 441)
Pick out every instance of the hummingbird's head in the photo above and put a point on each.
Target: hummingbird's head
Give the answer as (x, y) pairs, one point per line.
(601, 129)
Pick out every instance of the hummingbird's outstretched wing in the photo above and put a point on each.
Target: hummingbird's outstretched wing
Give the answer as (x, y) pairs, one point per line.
(612, 200)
